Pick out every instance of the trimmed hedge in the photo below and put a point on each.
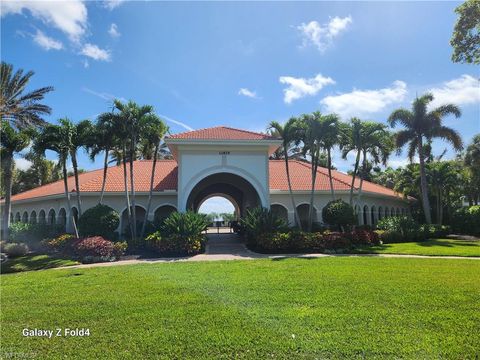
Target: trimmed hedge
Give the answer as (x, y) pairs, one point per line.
(100, 220)
(298, 241)
(175, 244)
(339, 213)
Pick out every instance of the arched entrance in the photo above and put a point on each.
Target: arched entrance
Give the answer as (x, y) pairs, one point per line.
(162, 212)
(235, 188)
(124, 224)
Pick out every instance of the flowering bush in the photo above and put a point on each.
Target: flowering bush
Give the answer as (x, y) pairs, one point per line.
(96, 248)
(61, 243)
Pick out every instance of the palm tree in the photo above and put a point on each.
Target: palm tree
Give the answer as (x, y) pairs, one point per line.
(133, 119)
(319, 133)
(377, 143)
(11, 142)
(57, 138)
(102, 139)
(330, 137)
(289, 133)
(421, 125)
(153, 134)
(352, 141)
(19, 109)
(79, 137)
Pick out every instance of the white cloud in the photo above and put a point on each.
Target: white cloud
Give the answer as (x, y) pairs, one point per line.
(22, 164)
(94, 52)
(248, 93)
(464, 90)
(46, 42)
(216, 204)
(365, 102)
(321, 36)
(300, 87)
(113, 31)
(67, 16)
(112, 4)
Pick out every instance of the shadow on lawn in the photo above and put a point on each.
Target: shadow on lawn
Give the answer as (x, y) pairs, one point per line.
(444, 243)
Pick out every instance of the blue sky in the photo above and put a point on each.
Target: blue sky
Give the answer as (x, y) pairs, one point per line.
(241, 64)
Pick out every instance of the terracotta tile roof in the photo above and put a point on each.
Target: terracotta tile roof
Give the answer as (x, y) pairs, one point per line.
(301, 179)
(166, 179)
(222, 133)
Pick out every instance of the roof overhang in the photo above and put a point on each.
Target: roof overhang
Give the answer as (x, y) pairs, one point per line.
(173, 144)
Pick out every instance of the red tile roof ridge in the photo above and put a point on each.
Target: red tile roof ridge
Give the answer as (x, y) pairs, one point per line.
(182, 134)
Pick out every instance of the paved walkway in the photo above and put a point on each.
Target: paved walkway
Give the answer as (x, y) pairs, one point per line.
(228, 246)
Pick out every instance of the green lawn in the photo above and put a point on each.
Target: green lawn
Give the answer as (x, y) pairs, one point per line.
(288, 309)
(435, 247)
(34, 262)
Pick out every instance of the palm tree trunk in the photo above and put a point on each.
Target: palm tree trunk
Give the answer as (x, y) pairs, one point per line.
(355, 169)
(315, 157)
(440, 203)
(73, 154)
(329, 163)
(364, 167)
(423, 183)
(67, 195)
(132, 189)
(105, 170)
(7, 209)
(295, 210)
(125, 183)
(152, 179)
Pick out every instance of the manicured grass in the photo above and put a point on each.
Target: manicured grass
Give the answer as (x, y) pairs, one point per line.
(290, 308)
(434, 247)
(34, 262)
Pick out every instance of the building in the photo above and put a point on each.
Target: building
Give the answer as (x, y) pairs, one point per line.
(219, 161)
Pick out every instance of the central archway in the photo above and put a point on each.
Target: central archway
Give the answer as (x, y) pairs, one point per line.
(235, 188)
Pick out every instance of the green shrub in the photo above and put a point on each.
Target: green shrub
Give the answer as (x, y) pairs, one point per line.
(175, 244)
(32, 234)
(338, 213)
(434, 230)
(259, 221)
(400, 229)
(466, 220)
(119, 248)
(100, 220)
(14, 250)
(185, 224)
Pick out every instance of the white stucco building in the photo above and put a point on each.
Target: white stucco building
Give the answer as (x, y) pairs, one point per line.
(218, 161)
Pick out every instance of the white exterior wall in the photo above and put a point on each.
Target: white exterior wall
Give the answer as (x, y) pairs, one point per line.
(117, 201)
(249, 163)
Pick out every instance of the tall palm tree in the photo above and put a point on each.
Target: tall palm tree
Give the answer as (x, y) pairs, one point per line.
(134, 119)
(102, 139)
(377, 143)
(79, 137)
(319, 133)
(153, 134)
(422, 125)
(289, 132)
(57, 138)
(330, 137)
(352, 141)
(11, 142)
(21, 109)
